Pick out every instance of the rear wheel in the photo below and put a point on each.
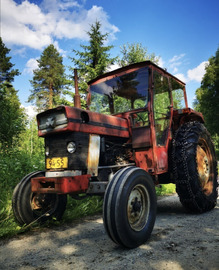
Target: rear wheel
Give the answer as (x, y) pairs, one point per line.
(29, 206)
(130, 207)
(195, 167)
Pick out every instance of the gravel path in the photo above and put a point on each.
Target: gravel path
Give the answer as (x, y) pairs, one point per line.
(179, 241)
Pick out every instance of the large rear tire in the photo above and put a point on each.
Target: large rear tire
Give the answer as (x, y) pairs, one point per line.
(28, 206)
(129, 209)
(195, 167)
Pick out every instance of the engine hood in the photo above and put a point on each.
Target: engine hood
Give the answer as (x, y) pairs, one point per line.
(65, 118)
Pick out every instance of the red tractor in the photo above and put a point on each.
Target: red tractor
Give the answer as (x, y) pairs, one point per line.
(137, 132)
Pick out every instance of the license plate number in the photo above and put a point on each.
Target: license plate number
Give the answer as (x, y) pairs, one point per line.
(57, 163)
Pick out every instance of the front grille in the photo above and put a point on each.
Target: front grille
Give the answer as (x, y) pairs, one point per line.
(52, 120)
(57, 144)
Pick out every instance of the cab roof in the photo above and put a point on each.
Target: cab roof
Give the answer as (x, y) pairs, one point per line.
(135, 66)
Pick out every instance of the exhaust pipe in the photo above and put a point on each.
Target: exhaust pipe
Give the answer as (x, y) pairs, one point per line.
(77, 99)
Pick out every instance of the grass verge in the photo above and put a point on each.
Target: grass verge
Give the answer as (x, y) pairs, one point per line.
(75, 209)
(167, 189)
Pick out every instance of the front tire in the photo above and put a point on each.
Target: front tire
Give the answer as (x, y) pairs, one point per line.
(129, 209)
(195, 167)
(15, 196)
(29, 207)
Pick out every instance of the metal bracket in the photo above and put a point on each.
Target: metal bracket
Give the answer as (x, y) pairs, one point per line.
(97, 187)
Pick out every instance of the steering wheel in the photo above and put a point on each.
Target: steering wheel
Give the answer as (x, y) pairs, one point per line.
(141, 118)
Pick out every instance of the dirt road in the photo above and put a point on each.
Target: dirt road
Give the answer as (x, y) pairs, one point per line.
(179, 241)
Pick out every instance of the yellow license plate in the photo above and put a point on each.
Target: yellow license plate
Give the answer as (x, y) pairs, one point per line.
(57, 163)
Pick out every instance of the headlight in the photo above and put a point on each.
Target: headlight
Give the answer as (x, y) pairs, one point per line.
(47, 151)
(71, 147)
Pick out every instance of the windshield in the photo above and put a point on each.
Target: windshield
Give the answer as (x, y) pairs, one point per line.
(121, 93)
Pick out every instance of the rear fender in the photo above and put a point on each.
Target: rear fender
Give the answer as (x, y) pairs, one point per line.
(182, 116)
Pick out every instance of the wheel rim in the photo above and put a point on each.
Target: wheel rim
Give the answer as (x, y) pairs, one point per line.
(205, 166)
(138, 207)
(43, 204)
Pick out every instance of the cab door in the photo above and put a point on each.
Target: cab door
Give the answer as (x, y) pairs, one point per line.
(162, 119)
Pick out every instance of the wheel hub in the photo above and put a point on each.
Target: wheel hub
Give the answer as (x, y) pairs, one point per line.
(137, 208)
(36, 202)
(42, 203)
(204, 161)
(136, 205)
(203, 165)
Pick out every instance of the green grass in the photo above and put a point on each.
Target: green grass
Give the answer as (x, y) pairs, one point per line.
(75, 209)
(167, 189)
(14, 166)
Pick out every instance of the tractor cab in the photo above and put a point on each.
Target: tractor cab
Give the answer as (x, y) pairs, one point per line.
(150, 99)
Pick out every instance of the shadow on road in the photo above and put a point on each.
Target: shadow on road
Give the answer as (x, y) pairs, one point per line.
(179, 241)
(170, 205)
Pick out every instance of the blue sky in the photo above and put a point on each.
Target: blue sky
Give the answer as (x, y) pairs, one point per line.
(184, 33)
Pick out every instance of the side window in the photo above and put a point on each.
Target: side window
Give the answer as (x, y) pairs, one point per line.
(177, 95)
(161, 107)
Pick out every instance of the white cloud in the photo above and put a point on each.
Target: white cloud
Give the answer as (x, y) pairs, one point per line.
(113, 67)
(30, 110)
(22, 24)
(197, 73)
(161, 62)
(55, 6)
(181, 77)
(176, 58)
(62, 52)
(175, 70)
(30, 66)
(20, 51)
(79, 25)
(28, 24)
(175, 62)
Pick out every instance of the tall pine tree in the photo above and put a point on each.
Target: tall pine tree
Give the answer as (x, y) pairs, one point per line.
(11, 116)
(49, 79)
(94, 59)
(7, 73)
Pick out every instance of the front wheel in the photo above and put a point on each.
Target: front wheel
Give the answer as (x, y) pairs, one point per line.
(129, 209)
(29, 206)
(195, 167)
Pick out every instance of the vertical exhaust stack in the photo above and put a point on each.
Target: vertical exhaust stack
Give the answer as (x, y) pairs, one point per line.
(77, 100)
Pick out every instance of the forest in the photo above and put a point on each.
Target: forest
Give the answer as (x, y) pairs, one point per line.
(22, 151)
